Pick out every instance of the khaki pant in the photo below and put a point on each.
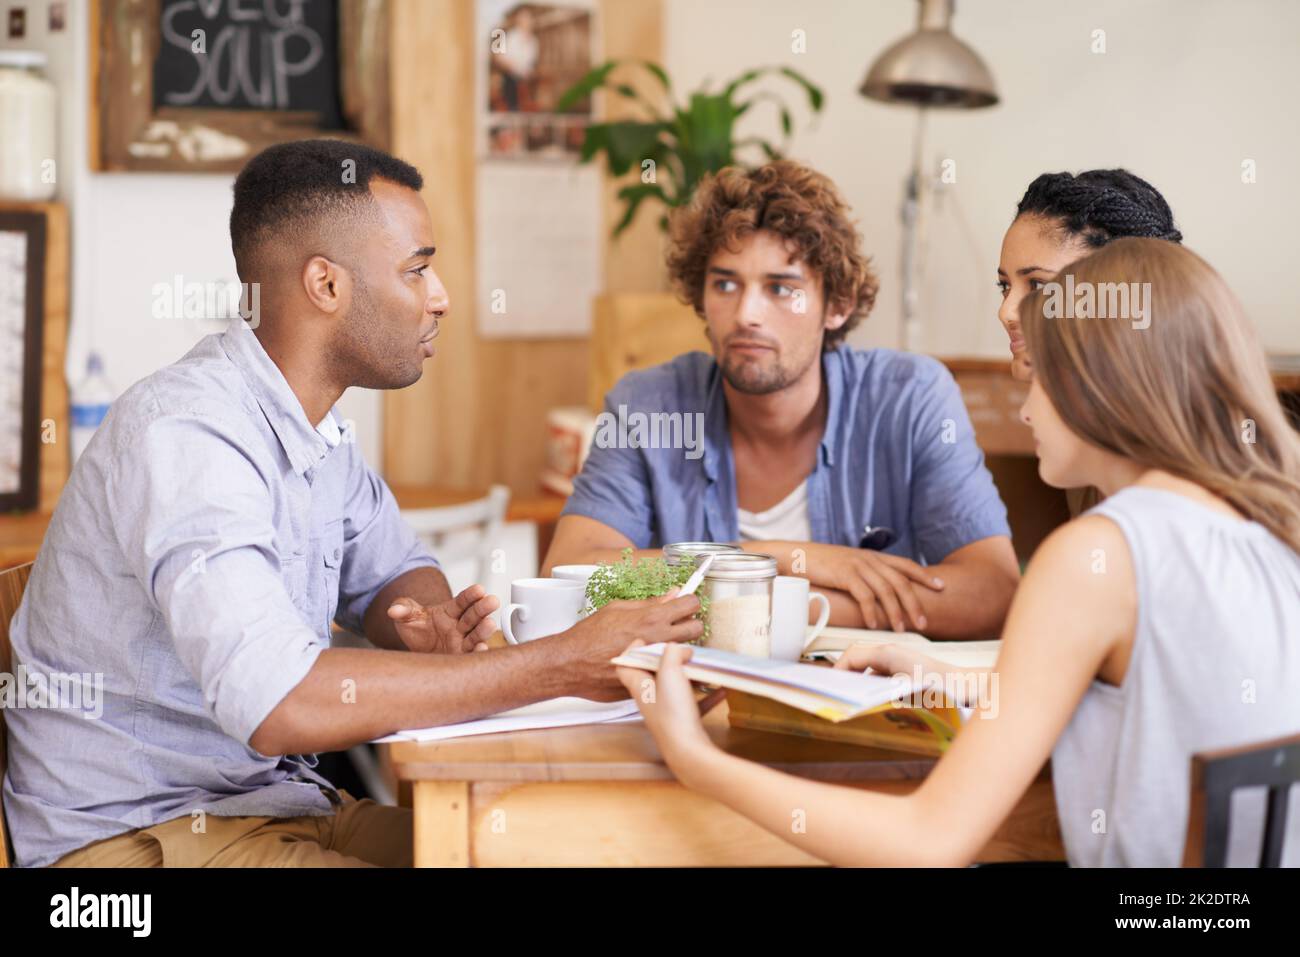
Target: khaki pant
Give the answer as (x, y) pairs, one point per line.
(358, 834)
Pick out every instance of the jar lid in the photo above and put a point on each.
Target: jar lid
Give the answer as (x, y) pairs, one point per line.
(742, 566)
(693, 550)
(23, 58)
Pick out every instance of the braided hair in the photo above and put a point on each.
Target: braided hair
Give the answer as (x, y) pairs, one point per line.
(1100, 205)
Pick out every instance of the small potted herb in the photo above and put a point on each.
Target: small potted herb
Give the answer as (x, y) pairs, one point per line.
(629, 580)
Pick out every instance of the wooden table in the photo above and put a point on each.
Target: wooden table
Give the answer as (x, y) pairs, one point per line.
(601, 796)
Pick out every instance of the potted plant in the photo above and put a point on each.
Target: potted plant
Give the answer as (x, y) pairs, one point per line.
(675, 148)
(630, 579)
(671, 149)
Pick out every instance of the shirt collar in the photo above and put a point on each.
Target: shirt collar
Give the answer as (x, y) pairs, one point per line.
(717, 438)
(717, 441)
(303, 445)
(329, 430)
(833, 376)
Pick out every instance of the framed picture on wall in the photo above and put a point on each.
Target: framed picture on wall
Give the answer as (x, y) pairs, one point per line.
(529, 54)
(197, 86)
(22, 314)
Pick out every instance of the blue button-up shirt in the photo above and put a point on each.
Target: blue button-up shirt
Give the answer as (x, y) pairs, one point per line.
(898, 451)
(205, 540)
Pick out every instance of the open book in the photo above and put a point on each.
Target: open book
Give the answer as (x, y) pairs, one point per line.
(960, 654)
(820, 702)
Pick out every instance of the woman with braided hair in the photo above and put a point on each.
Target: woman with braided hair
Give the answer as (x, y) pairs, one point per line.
(1063, 217)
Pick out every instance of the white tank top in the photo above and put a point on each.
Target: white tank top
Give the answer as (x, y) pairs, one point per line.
(1215, 664)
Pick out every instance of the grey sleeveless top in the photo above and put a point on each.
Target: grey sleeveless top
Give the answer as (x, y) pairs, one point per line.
(1215, 664)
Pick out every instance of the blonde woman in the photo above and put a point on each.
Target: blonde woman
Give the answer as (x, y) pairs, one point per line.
(1164, 622)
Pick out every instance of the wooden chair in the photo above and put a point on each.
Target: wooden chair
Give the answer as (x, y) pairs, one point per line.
(463, 536)
(12, 584)
(1274, 765)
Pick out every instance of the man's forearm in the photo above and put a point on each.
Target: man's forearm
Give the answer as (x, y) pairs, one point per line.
(971, 605)
(968, 607)
(426, 585)
(353, 695)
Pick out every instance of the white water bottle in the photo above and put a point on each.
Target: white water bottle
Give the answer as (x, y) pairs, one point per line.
(91, 398)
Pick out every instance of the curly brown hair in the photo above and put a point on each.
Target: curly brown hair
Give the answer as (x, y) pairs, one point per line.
(798, 204)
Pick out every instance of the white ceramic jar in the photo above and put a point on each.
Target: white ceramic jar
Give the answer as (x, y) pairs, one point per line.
(28, 114)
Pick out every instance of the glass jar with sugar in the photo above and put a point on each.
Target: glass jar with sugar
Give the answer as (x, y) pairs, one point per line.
(739, 586)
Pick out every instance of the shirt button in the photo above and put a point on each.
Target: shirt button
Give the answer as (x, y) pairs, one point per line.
(336, 554)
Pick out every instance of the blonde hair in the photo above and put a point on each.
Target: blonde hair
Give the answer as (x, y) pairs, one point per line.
(1189, 394)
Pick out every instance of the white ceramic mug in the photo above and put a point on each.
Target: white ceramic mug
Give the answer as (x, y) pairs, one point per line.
(574, 573)
(544, 606)
(791, 601)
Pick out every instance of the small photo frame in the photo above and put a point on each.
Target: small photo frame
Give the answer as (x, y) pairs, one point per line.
(530, 53)
(22, 319)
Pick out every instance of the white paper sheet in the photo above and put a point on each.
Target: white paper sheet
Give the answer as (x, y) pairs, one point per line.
(556, 713)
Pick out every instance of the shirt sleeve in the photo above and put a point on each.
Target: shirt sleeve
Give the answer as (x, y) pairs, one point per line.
(954, 500)
(378, 545)
(192, 514)
(614, 485)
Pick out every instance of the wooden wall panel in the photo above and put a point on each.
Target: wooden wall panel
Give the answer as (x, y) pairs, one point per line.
(56, 456)
(478, 415)
(432, 70)
(634, 261)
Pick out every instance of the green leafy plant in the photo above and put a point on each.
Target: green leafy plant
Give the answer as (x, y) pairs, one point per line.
(629, 580)
(685, 143)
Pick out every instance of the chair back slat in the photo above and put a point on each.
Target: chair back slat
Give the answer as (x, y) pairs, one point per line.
(1275, 826)
(464, 533)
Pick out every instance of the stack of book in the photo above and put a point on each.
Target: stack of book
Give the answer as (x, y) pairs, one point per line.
(815, 701)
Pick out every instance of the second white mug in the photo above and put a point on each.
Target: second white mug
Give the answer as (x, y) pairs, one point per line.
(574, 573)
(791, 600)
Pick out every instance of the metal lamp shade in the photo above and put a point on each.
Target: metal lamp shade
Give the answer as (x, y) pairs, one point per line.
(931, 67)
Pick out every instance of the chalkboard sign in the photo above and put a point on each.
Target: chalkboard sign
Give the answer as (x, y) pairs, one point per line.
(278, 55)
(199, 86)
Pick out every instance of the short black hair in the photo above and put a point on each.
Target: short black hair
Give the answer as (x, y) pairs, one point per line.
(1101, 205)
(293, 185)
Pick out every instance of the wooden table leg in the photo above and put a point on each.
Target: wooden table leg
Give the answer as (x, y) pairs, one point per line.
(441, 823)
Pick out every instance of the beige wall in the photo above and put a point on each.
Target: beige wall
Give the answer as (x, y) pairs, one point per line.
(1186, 90)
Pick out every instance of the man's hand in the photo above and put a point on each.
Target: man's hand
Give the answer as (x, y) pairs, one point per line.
(872, 577)
(458, 625)
(600, 637)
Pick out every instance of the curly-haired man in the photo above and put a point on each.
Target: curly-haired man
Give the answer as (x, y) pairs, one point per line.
(856, 468)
